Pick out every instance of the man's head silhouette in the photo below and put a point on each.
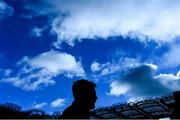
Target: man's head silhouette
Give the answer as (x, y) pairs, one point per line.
(85, 93)
(84, 100)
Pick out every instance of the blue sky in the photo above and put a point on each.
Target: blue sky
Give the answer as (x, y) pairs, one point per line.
(130, 49)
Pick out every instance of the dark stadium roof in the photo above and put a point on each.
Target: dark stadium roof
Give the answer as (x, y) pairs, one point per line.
(148, 108)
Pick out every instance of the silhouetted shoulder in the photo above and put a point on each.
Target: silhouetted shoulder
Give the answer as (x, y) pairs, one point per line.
(73, 112)
(68, 113)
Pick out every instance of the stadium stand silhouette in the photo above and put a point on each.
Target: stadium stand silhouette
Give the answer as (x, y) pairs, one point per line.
(152, 108)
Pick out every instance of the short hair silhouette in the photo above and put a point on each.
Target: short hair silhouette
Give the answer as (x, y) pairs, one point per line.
(84, 100)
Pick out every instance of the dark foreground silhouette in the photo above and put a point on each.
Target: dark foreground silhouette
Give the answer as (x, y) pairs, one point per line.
(80, 107)
(175, 110)
(84, 100)
(13, 111)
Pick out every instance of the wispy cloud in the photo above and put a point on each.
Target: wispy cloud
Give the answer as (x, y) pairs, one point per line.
(95, 66)
(58, 102)
(102, 70)
(39, 105)
(148, 20)
(170, 81)
(171, 58)
(5, 10)
(37, 32)
(39, 71)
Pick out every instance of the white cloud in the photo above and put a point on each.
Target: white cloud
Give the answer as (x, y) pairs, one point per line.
(58, 62)
(39, 71)
(153, 66)
(39, 106)
(5, 10)
(171, 58)
(155, 19)
(140, 81)
(170, 81)
(95, 66)
(118, 89)
(58, 102)
(37, 32)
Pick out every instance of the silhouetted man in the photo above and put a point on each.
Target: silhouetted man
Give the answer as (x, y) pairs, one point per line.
(84, 100)
(175, 111)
